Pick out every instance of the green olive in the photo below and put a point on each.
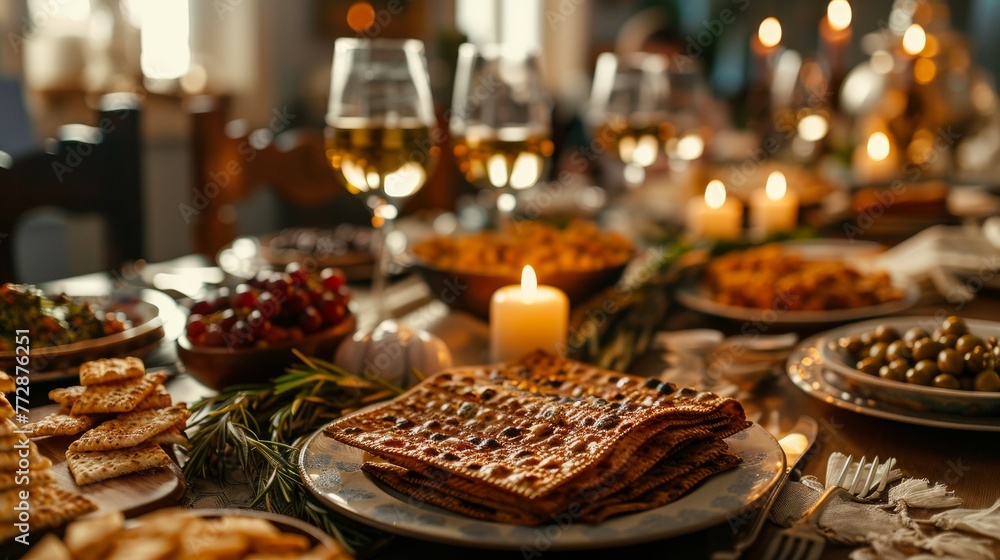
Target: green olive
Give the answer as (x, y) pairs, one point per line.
(867, 338)
(929, 366)
(852, 345)
(979, 360)
(870, 365)
(967, 342)
(914, 334)
(987, 381)
(926, 349)
(878, 350)
(991, 343)
(946, 381)
(950, 361)
(899, 350)
(886, 334)
(947, 340)
(894, 370)
(918, 378)
(954, 325)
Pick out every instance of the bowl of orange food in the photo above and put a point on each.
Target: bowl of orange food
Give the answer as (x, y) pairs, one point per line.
(463, 271)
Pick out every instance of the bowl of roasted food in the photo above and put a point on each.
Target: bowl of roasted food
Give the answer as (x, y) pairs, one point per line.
(210, 534)
(66, 331)
(923, 363)
(463, 271)
(796, 283)
(248, 335)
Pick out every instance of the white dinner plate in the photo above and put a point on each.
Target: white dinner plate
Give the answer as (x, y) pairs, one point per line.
(808, 371)
(693, 294)
(332, 471)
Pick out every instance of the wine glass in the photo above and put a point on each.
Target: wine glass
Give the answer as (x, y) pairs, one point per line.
(641, 109)
(500, 121)
(379, 131)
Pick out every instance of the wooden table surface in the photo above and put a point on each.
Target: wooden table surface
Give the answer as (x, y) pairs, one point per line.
(966, 461)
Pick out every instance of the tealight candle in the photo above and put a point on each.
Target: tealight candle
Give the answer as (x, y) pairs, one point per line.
(715, 216)
(526, 318)
(774, 208)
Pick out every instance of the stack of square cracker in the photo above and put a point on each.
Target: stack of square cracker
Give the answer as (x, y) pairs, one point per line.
(125, 414)
(48, 504)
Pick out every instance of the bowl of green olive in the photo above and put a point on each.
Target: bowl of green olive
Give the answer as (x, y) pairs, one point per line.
(925, 363)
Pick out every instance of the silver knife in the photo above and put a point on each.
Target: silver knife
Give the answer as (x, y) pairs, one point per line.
(796, 445)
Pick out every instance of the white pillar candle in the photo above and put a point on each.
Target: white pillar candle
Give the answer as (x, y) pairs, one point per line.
(526, 318)
(774, 208)
(715, 216)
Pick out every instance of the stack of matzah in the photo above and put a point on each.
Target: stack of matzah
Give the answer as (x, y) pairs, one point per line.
(526, 441)
(125, 414)
(28, 493)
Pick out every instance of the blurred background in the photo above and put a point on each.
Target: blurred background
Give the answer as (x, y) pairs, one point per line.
(256, 74)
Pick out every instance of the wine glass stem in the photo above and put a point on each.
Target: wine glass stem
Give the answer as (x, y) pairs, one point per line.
(380, 278)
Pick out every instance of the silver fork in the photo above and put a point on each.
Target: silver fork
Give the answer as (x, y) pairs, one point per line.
(802, 541)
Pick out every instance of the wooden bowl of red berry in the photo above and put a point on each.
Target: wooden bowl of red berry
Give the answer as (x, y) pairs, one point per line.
(247, 336)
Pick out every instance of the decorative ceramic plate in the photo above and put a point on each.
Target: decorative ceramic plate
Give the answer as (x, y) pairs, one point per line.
(908, 395)
(808, 371)
(693, 294)
(332, 471)
(148, 328)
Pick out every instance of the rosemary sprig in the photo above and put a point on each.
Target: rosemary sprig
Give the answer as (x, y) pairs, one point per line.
(259, 429)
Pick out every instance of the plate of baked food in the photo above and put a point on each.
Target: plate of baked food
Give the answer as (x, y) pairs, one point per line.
(542, 450)
(105, 446)
(802, 282)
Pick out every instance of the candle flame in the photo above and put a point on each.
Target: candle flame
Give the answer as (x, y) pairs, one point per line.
(878, 146)
(715, 194)
(838, 13)
(813, 128)
(914, 39)
(776, 185)
(529, 282)
(769, 32)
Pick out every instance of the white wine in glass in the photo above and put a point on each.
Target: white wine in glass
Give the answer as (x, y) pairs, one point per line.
(640, 109)
(500, 121)
(379, 137)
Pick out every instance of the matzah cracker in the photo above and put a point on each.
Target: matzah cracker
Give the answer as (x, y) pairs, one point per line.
(6, 410)
(89, 467)
(7, 443)
(117, 397)
(129, 430)
(66, 395)
(7, 427)
(10, 460)
(159, 398)
(36, 478)
(111, 370)
(59, 425)
(517, 428)
(7, 384)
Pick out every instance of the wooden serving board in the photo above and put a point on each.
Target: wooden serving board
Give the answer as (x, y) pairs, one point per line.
(132, 494)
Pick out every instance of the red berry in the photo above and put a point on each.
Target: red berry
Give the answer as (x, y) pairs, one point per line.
(310, 321)
(202, 308)
(244, 298)
(297, 302)
(333, 311)
(268, 305)
(333, 278)
(229, 319)
(345, 294)
(195, 325)
(298, 274)
(213, 335)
